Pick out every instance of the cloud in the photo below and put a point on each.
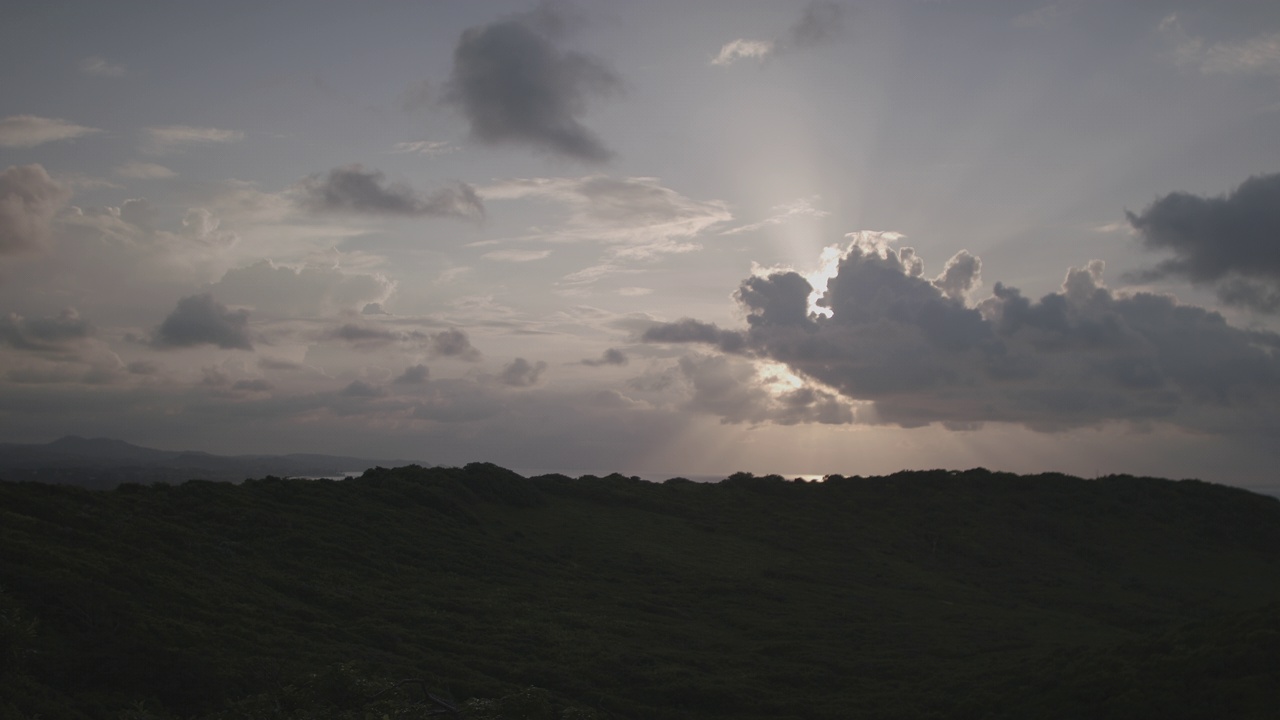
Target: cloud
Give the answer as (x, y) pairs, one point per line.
(781, 214)
(961, 274)
(172, 138)
(201, 320)
(29, 200)
(203, 226)
(736, 391)
(689, 330)
(142, 367)
(423, 147)
(515, 85)
(362, 389)
(143, 171)
(100, 67)
(213, 377)
(454, 343)
(268, 363)
(138, 212)
(739, 49)
(57, 350)
(451, 343)
(612, 356)
(352, 189)
(1231, 241)
(44, 334)
(307, 291)
(413, 375)
(30, 130)
(912, 352)
(516, 256)
(819, 23)
(637, 217)
(256, 385)
(1258, 55)
(522, 373)
(369, 336)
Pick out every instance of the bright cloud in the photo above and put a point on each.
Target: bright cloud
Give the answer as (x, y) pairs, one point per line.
(29, 200)
(1257, 55)
(22, 131)
(819, 23)
(638, 211)
(173, 138)
(739, 49)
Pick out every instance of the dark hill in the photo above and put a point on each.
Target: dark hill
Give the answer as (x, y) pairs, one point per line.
(104, 463)
(921, 594)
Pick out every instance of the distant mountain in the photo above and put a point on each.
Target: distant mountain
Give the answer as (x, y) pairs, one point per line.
(104, 463)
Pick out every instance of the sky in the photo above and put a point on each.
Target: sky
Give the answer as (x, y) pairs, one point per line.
(661, 238)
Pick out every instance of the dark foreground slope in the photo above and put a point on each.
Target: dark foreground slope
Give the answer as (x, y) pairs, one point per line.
(916, 595)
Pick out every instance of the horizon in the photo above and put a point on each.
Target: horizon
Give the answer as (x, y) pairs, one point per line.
(825, 237)
(655, 477)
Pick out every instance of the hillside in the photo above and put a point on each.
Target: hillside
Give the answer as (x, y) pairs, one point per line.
(921, 594)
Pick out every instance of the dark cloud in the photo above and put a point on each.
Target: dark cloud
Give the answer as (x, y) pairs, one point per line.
(522, 373)
(921, 355)
(451, 343)
(353, 189)
(213, 377)
(44, 334)
(690, 330)
(255, 385)
(454, 343)
(362, 389)
(268, 363)
(201, 320)
(142, 367)
(515, 85)
(612, 356)
(367, 337)
(413, 375)
(819, 23)
(1259, 295)
(1231, 241)
(653, 381)
(29, 199)
(363, 334)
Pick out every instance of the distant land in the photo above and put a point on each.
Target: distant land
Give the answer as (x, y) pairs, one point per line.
(104, 463)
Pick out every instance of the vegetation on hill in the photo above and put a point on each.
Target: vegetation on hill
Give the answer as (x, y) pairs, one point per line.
(921, 594)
